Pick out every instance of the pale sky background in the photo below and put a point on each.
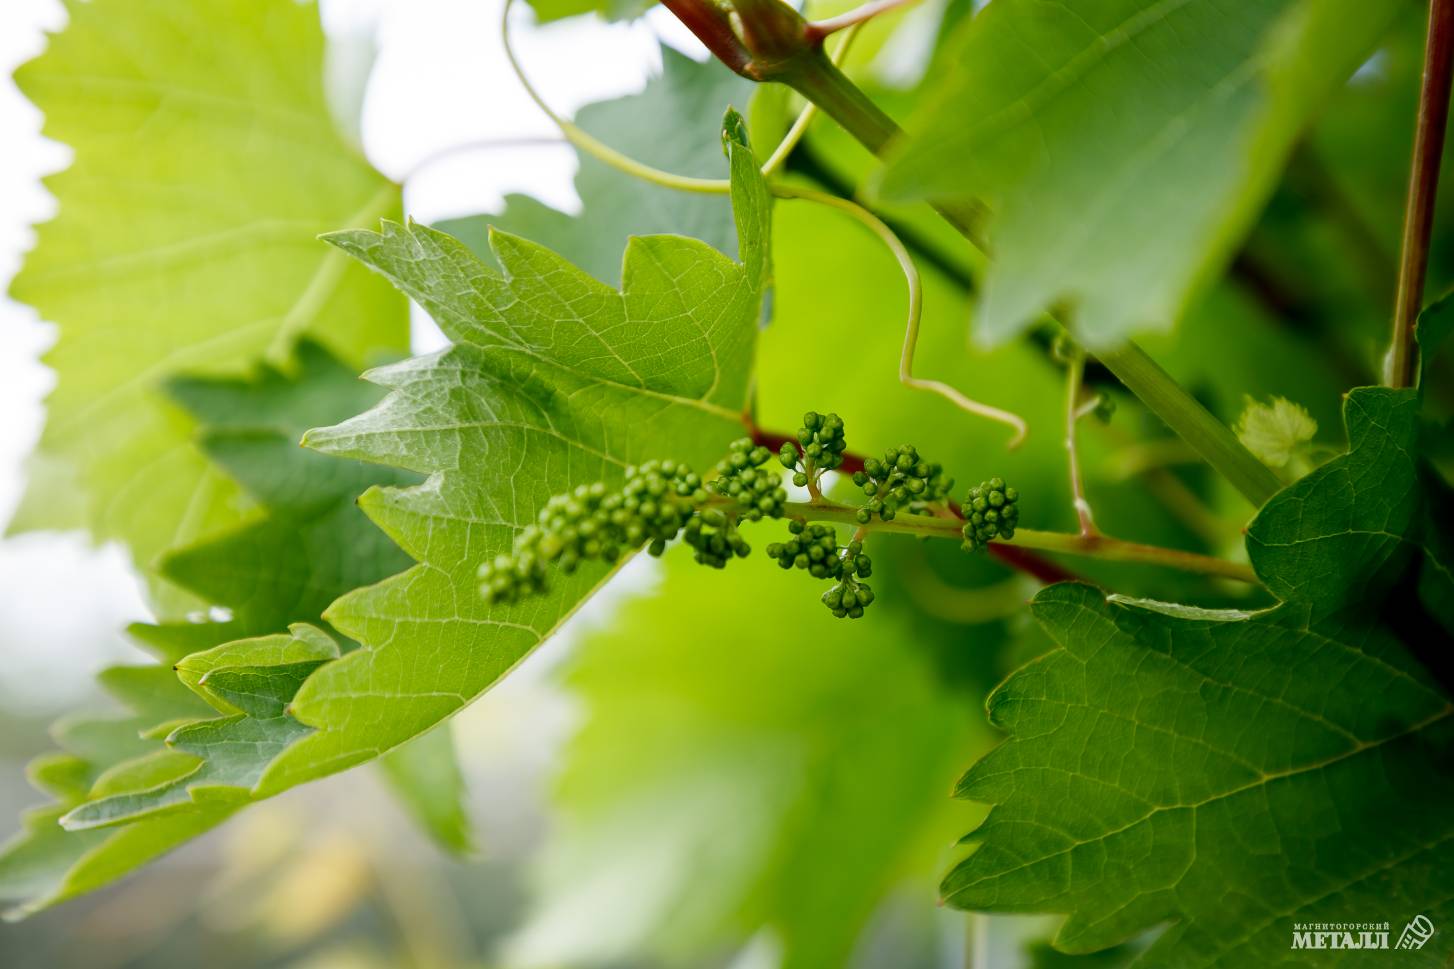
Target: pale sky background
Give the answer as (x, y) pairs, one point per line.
(440, 81)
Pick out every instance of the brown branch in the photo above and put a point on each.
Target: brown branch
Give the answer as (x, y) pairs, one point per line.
(1423, 186)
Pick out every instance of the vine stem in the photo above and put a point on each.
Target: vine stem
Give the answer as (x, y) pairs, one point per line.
(1428, 151)
(793, 59)
(1020, 559)
(630, 166)
(818, 29)
(624, 163)
(800, 125)
(1095, 546)
(895, 245)
(1074, 374)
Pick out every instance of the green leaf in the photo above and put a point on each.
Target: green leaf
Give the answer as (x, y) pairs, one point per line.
(225, 757)
(305, 646)
(724, 775)
(206, 163)
(554, 379)
(1122, 146)
(311, 545)
(615, 206)
(1234, 772)
(424, 775)
(1277, 431)
(44, 864)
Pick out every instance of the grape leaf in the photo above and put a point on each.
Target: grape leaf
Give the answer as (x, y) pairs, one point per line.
(1123, 146)
(45, 864)
(615, 206)
(543, 353)
(1234, 772)
(311, 546)
(425, 776)
(206, 163)
(554, 379)
(740, 751)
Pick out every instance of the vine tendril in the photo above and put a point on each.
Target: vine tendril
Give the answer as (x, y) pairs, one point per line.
(721, 186)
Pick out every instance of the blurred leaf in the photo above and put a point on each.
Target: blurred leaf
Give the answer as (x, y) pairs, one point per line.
(311, 545)
(615, 206)
(44, 864)
(1123, 146)
(424, 775)
(206, 163)
(747, 762)
(1276, 431)
(1234, 772)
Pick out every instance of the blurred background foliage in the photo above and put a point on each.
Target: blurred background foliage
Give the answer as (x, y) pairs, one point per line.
(695, 778)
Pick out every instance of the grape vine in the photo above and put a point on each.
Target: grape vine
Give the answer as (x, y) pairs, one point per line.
(661, 501)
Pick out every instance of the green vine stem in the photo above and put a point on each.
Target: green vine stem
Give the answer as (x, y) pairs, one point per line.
(916, 305)
(1074, 375)
(1093, 546)
(772, 46)
(1193, 423)
(630, 166)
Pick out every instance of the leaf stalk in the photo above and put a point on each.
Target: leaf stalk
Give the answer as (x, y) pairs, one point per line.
(1091, 546)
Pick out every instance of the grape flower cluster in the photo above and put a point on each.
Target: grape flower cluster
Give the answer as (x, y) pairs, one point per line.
(658, 500)
(815, 549)
(901, 480)
(820, 448)
(746, 476)
(661, 501)
(991, 510)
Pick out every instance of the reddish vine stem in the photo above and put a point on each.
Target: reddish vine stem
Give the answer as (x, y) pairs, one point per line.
(766, 40)
(1023, 560)
(1428, 151)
